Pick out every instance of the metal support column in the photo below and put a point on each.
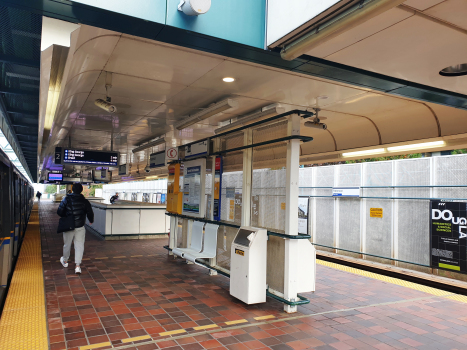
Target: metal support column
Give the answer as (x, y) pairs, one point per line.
(291, 263)
(247, 174)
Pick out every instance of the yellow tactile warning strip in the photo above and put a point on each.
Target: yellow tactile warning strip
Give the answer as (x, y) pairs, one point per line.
(23, 324)
(393, 280)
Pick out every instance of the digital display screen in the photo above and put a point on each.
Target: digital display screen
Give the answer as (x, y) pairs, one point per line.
(74, 156)
(55, 177)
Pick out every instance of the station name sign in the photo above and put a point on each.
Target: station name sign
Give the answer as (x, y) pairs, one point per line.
(346, 191)
(88, 157)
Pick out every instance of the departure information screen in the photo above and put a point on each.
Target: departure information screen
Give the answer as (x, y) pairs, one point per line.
(55, 177)
(75, 156)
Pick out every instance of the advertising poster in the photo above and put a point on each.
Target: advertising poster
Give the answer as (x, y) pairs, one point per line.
(163, 198)
(192, 190)
(217, 188)
(303, 215)
(448, 225)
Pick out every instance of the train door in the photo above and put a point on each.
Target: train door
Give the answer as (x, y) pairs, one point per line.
(6, 229)
(17, 214)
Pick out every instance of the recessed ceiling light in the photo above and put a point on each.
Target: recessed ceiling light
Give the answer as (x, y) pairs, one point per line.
(454, 71)
(228, 79)
(322, 97)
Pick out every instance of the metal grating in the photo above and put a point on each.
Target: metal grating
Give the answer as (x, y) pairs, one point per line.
(20, 40)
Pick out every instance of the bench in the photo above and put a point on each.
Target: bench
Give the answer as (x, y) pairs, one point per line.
(196, 244)
(210, 245)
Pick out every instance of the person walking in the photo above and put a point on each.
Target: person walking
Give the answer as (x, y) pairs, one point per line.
(38, 195)
(75, 205)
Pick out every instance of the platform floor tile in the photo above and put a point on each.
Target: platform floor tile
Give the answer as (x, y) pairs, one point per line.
(132, 295)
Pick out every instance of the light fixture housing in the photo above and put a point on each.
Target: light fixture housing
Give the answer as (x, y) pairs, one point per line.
(148, 145)
(417, 146)
(229, 79)
(265, 112)
(366, 152)
(454, 71)
(210, 111)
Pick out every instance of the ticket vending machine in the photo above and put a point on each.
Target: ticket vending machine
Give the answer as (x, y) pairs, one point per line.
(248, 265)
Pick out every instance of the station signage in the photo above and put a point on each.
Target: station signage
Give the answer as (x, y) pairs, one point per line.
(196, 149)
(346, 191)
(88, 157)
(58, 155)
(171, 154)
(157, 160)
(448, 226)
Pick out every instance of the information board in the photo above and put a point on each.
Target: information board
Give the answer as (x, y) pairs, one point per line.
(217, 188)
(303, 215)
(194, 174)
(448, 235)
(75, 156)
(55, 177)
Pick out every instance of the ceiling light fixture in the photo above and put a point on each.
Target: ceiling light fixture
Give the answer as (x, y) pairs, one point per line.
(454, 71)
(228, 79)
(148, 145)
(364, 153)
(265, 112)
(415, 146)
(212, 110)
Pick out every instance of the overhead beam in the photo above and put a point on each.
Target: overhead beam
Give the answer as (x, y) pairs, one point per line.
(20, 61)
(19, 92)
(22, 111)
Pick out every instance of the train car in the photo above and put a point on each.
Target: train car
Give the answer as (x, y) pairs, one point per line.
(16, 201)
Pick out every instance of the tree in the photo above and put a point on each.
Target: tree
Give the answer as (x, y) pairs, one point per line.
(51, 189)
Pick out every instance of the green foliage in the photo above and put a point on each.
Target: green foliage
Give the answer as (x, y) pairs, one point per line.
(459, 151)
(51, 189)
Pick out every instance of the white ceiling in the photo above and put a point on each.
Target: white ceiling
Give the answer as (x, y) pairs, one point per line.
(155, 84)
(401, 44)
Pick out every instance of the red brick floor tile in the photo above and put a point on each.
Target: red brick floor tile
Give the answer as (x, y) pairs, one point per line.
(58, 346)
(98, 339)
(209, 344)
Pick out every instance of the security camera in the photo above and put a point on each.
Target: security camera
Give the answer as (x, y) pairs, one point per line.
(317, 125)
(147, 169)
(105, 105)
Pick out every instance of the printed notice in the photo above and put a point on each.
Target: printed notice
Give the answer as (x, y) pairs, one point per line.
(376, 212)
(192, 190)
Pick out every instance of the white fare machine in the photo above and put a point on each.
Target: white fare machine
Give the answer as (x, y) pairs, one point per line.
(248, 265)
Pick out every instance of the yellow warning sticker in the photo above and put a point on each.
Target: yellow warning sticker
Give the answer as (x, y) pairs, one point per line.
(376, 212)
(239, 252)
(283, 206)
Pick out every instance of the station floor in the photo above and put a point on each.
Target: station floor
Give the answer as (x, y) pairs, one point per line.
(132, 295)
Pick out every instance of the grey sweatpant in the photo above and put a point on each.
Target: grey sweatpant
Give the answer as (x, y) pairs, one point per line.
(77, 235)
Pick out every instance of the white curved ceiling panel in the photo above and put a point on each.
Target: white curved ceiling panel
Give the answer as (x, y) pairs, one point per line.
(422, 4)
(360, 32)
(452, 11)
(453, 121)
(92, 55)
(322, 142)
(412, 122)
(81, 83)
(125, 106)
(159, 62)
(350, 131)
(270, 85)
(137, 88)
(415, 49)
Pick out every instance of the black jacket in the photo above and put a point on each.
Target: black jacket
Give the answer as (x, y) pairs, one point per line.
(81, 209)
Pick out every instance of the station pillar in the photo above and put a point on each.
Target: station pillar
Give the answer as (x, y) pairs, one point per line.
(291, 263)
